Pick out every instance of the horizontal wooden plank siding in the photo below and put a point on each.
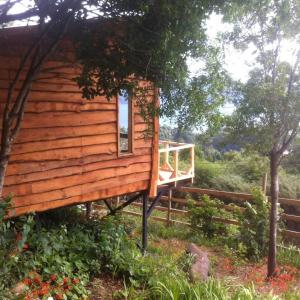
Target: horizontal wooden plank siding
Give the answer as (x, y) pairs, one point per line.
(66, 151)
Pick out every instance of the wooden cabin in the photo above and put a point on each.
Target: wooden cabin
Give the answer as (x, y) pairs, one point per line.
(71, 150)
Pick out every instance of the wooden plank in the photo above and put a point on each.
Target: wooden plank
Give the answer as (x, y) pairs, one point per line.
(290, 217)
(176, 148)
(38, 96)
(29, 167)
(222, 194)
(67, 153)
(76, 169)
(59, 119)
(13, 63)
(76, 107)
(142, 143)
(34, 147)
(79, 189)
(291, 234)
(74, 180)
(161, 208)
(233, 195)
(55, 133)
(98, 195)
(291, 202)
(43, 87)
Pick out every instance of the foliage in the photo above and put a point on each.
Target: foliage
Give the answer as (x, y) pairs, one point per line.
(254, 227)
(289, 255)
(271, 94)
(203, 217)
(267, 105)
(56, 257)
(180, 289)
(59, 257)
(246, 171)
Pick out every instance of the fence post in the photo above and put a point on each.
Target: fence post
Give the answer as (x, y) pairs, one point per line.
(88, 210)
(264, 183)
(145, 223)
(166, 154)
(169, 206)
(192, 162)
(176, 158)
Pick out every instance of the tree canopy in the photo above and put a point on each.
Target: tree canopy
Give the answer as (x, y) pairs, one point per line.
(151, 39)
(268, 104)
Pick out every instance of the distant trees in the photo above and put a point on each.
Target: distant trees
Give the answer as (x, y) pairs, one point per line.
(268, 104)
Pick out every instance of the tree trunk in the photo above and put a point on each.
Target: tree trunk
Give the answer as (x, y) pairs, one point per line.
(3, 166)
(4, 157)
(274, 163)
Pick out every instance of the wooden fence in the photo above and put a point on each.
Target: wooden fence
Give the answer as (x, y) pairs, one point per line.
(231, 196)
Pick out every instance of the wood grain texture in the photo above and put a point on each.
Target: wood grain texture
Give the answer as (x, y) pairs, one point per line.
(155, 154)
(66, 151)
(79, 189)
(93, 196)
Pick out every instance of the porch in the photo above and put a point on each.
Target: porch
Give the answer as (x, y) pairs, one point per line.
(176, 162)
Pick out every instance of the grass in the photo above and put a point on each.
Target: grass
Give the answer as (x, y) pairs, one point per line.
(289, 255)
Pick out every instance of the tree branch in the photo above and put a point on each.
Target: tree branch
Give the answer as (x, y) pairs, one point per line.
(5, 18)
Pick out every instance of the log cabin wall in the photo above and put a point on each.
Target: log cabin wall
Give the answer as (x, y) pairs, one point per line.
(66, 151)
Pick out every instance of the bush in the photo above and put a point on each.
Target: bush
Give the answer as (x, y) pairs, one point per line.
(58, 258)
(202, 217)
(206, 172)
(254, 229)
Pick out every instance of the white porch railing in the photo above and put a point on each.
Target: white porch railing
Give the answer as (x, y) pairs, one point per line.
(171, 167)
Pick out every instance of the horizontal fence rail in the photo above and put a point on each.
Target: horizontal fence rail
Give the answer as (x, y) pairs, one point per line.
(239, 197)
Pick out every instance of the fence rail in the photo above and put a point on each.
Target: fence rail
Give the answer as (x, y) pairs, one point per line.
(239, 197)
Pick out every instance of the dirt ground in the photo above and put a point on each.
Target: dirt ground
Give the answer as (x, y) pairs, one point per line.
(104, 287)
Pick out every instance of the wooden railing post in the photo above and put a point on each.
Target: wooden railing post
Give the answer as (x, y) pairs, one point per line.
(166, 146)
(169, 207)
(264, 183)
(192, 159)
(176, 158)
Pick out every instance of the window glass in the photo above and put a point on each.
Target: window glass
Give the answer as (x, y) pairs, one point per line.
(125, 122)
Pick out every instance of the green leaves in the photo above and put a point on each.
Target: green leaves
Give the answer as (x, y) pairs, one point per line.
(203, 217)
(152, 40)
(254, 229)
(268, 104)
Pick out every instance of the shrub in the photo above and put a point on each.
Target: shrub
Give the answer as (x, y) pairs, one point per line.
(202, 217)
(254, 229)
(250, 165)
(205, 172)
(58, 258)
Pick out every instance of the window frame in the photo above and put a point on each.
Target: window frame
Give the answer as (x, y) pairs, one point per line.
(130, 126)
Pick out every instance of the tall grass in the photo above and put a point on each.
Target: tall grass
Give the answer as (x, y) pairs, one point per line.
(182, 289)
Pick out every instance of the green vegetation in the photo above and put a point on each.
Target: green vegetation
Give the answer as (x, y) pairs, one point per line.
(239, 172)
(254, 229)
(202, 217)
(53, 256)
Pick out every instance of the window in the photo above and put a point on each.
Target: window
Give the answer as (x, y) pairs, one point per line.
(125, 122)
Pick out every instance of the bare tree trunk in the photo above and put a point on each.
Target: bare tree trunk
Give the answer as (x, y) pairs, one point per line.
(3, 166)
(274, 163)
(5, 149)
